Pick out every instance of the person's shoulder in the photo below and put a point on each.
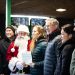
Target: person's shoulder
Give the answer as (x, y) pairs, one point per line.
(2, 40)
(73, 54)
(56, 38)
(29, 41)
(41, 42)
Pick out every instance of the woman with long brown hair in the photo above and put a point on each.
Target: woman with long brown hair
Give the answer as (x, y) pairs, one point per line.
(38, 47)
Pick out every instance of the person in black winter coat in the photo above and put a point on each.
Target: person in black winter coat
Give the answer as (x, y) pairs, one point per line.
(4, 43)
(65, 50)
(38, 47)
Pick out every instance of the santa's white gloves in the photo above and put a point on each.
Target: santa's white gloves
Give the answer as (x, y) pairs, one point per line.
(19, 65)
(12, 64)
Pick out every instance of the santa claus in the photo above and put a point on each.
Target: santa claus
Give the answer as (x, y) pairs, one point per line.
(18, 49)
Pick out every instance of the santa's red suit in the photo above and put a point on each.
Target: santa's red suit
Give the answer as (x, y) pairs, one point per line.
(14, 55)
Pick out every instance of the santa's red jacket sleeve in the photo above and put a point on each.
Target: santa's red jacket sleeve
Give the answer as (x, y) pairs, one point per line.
(11, 54)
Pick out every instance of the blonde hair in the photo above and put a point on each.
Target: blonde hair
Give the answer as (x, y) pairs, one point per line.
(53, 21)
(41, 30)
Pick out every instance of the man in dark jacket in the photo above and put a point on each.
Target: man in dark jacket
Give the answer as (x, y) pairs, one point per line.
(51, 56)
(4, 43)
(52, 26)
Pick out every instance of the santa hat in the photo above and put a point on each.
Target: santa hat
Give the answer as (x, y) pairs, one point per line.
(23, 28)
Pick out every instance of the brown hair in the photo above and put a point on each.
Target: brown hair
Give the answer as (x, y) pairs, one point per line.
(41, 30)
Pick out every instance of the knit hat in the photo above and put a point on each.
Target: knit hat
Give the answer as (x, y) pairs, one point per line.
(23, 28)
(12, 28)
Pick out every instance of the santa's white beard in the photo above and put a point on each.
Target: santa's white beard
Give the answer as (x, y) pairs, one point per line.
(22, 43)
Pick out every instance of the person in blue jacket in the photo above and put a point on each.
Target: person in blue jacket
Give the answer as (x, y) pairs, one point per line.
(52, 28)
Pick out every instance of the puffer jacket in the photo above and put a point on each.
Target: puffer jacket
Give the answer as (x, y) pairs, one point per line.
(52, 35)
(38, 57)
(50, 57)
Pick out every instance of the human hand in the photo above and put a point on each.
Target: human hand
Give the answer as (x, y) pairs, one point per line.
(32, 64)
(12, 65)
(25, 65)
(19, 65)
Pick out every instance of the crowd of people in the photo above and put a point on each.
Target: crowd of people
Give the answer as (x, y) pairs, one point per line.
(50, 51)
